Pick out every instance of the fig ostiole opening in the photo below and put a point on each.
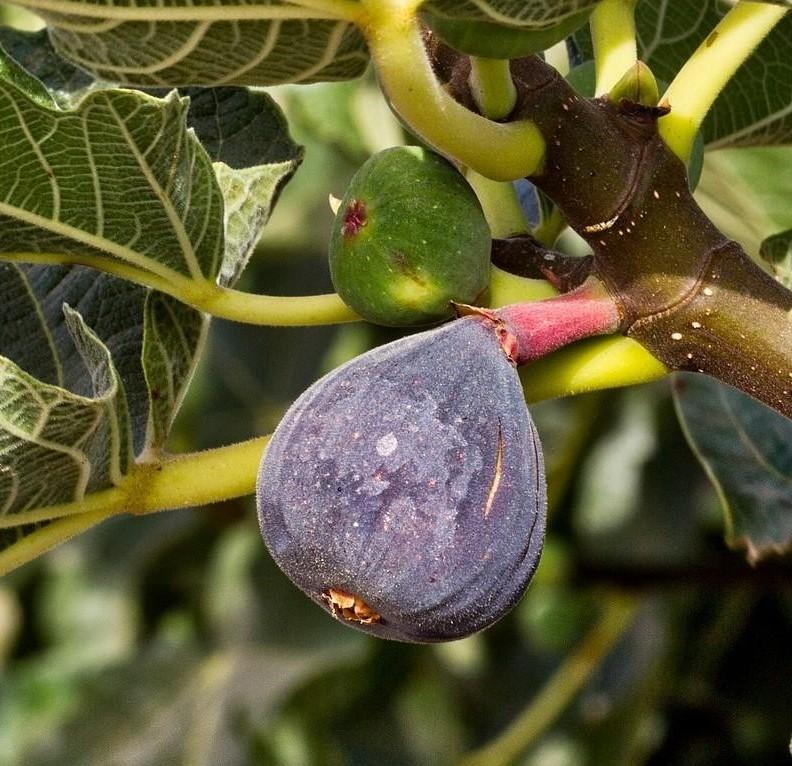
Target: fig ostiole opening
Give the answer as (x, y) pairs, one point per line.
(349, 607)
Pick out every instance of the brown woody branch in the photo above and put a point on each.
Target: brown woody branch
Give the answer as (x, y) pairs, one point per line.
(690, 295)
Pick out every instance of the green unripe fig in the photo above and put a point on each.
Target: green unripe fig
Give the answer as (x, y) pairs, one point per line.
(501, 41)
(409, 239)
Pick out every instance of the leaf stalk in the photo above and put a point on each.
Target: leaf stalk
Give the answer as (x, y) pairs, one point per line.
(614, 40)
(177, 481)
(502, 152)
(492, 87)
(221, 302)
(590, 365)
(500, 204)
(709, 69)
(271, 310)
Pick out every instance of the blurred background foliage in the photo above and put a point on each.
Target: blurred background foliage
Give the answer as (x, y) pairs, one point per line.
(173, 639)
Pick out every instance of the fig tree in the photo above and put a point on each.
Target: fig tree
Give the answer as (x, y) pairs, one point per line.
(409, 238)
(404, 492)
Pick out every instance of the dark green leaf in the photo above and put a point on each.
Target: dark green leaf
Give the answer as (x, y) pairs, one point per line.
(504, 28)
(121, 182)
(33, 51)
(154, 366)
(247, 137)
(77, 403)
(240, 128)
(119, 179)
(777, 251)
(746, 448)
(14, 74)
(67, 433)
(173, 337)
(113, 182)
(145, 193)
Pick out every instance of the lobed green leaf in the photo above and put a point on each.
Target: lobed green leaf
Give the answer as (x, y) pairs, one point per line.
(116, 182)
(118, 179)
(67, 432)
(213, 42)
(247, 136)
(504, 29)
(121, 182)
(173, 337)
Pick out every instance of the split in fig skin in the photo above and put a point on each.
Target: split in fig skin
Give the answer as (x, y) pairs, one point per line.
(404, 492)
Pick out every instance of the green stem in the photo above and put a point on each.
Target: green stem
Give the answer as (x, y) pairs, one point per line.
(591, 365)
(495, 94)
(613, 37)
(558, 58)
(178, 481)
(42, 540)
(710, 68)
(166, 282)
(506, 288)
(502, 152)
(273, 310)
(198, 478)
(492, 87)
(500, 204)
(568, 680)
(222, 302)
(385, 10)
(111, 500)
(550, 228)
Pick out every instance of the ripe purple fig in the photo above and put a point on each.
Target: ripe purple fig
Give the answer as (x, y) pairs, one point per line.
(404, 492)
